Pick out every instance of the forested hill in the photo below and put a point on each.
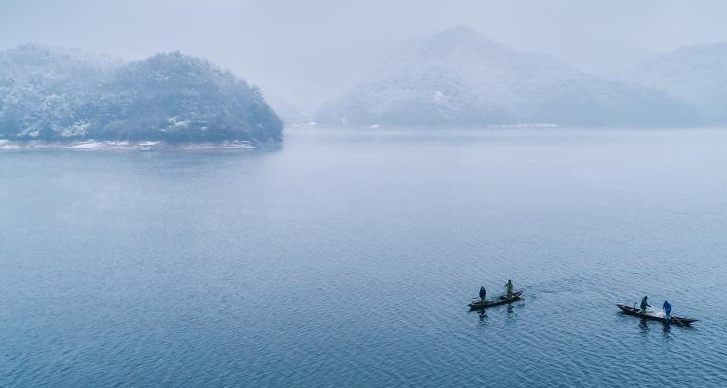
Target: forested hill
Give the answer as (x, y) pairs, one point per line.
(459, 77)
(55, 95)
(696, 74)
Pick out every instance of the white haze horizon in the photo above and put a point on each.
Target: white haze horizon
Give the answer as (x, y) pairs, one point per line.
(297, 51)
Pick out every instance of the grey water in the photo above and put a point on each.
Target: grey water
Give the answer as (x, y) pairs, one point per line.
(347, 259)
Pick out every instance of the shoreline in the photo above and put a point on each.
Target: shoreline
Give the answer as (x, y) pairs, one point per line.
(123, 145)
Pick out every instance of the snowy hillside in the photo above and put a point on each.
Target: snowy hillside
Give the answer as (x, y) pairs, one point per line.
(459, 77)
(52, 94)
(42, 89)
(697, 74)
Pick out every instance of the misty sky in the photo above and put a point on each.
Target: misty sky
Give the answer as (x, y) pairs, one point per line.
(287, 44)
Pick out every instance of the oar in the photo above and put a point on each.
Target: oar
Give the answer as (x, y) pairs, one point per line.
(677, 319)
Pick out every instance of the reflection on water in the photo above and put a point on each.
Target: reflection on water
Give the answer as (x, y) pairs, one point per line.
(483, 315)
(666, 330)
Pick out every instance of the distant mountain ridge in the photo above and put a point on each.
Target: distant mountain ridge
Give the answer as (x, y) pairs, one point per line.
(54, 94)
(696, 74)
(459, 77)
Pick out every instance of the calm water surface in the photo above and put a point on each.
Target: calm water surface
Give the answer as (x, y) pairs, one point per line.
(347, 258)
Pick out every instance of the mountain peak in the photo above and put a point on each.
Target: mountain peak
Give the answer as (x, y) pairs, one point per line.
(456, 39)
(460, 32)
(695, 74)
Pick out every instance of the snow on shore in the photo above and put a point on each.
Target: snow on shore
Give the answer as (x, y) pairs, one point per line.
(119, 145)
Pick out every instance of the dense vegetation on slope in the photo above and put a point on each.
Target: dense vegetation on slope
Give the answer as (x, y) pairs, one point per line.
(50, 94)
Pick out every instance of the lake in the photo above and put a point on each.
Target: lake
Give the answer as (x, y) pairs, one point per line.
(347, 259)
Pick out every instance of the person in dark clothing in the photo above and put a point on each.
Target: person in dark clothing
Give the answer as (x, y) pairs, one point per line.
(667, 309)
(483, 294)
(645, 304)
(508, 289)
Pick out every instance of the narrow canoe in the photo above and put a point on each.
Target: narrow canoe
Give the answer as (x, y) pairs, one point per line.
(655, 316)
(496, 302)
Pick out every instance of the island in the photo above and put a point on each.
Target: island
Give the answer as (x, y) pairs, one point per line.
(56, 97)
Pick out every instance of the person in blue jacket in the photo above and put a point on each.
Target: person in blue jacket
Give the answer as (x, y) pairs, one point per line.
(483, 294)
(667, 309)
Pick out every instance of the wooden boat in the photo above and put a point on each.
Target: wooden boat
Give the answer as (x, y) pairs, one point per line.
(656, 316)
(495, 302)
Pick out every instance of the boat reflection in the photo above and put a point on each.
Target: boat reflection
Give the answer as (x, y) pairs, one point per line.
(645, 327)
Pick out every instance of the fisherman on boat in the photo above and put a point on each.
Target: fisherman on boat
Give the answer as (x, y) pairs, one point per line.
(667, 310)
(644, 304)
(483, 294)
(508, 288)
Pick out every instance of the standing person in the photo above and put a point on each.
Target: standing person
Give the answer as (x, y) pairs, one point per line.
(483, 294)
(644, 304)
(667, 310)
(508, 288)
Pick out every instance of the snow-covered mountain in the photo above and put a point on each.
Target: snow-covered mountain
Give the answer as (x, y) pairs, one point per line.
(697, 74)
(459, 77)
(54, 94)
